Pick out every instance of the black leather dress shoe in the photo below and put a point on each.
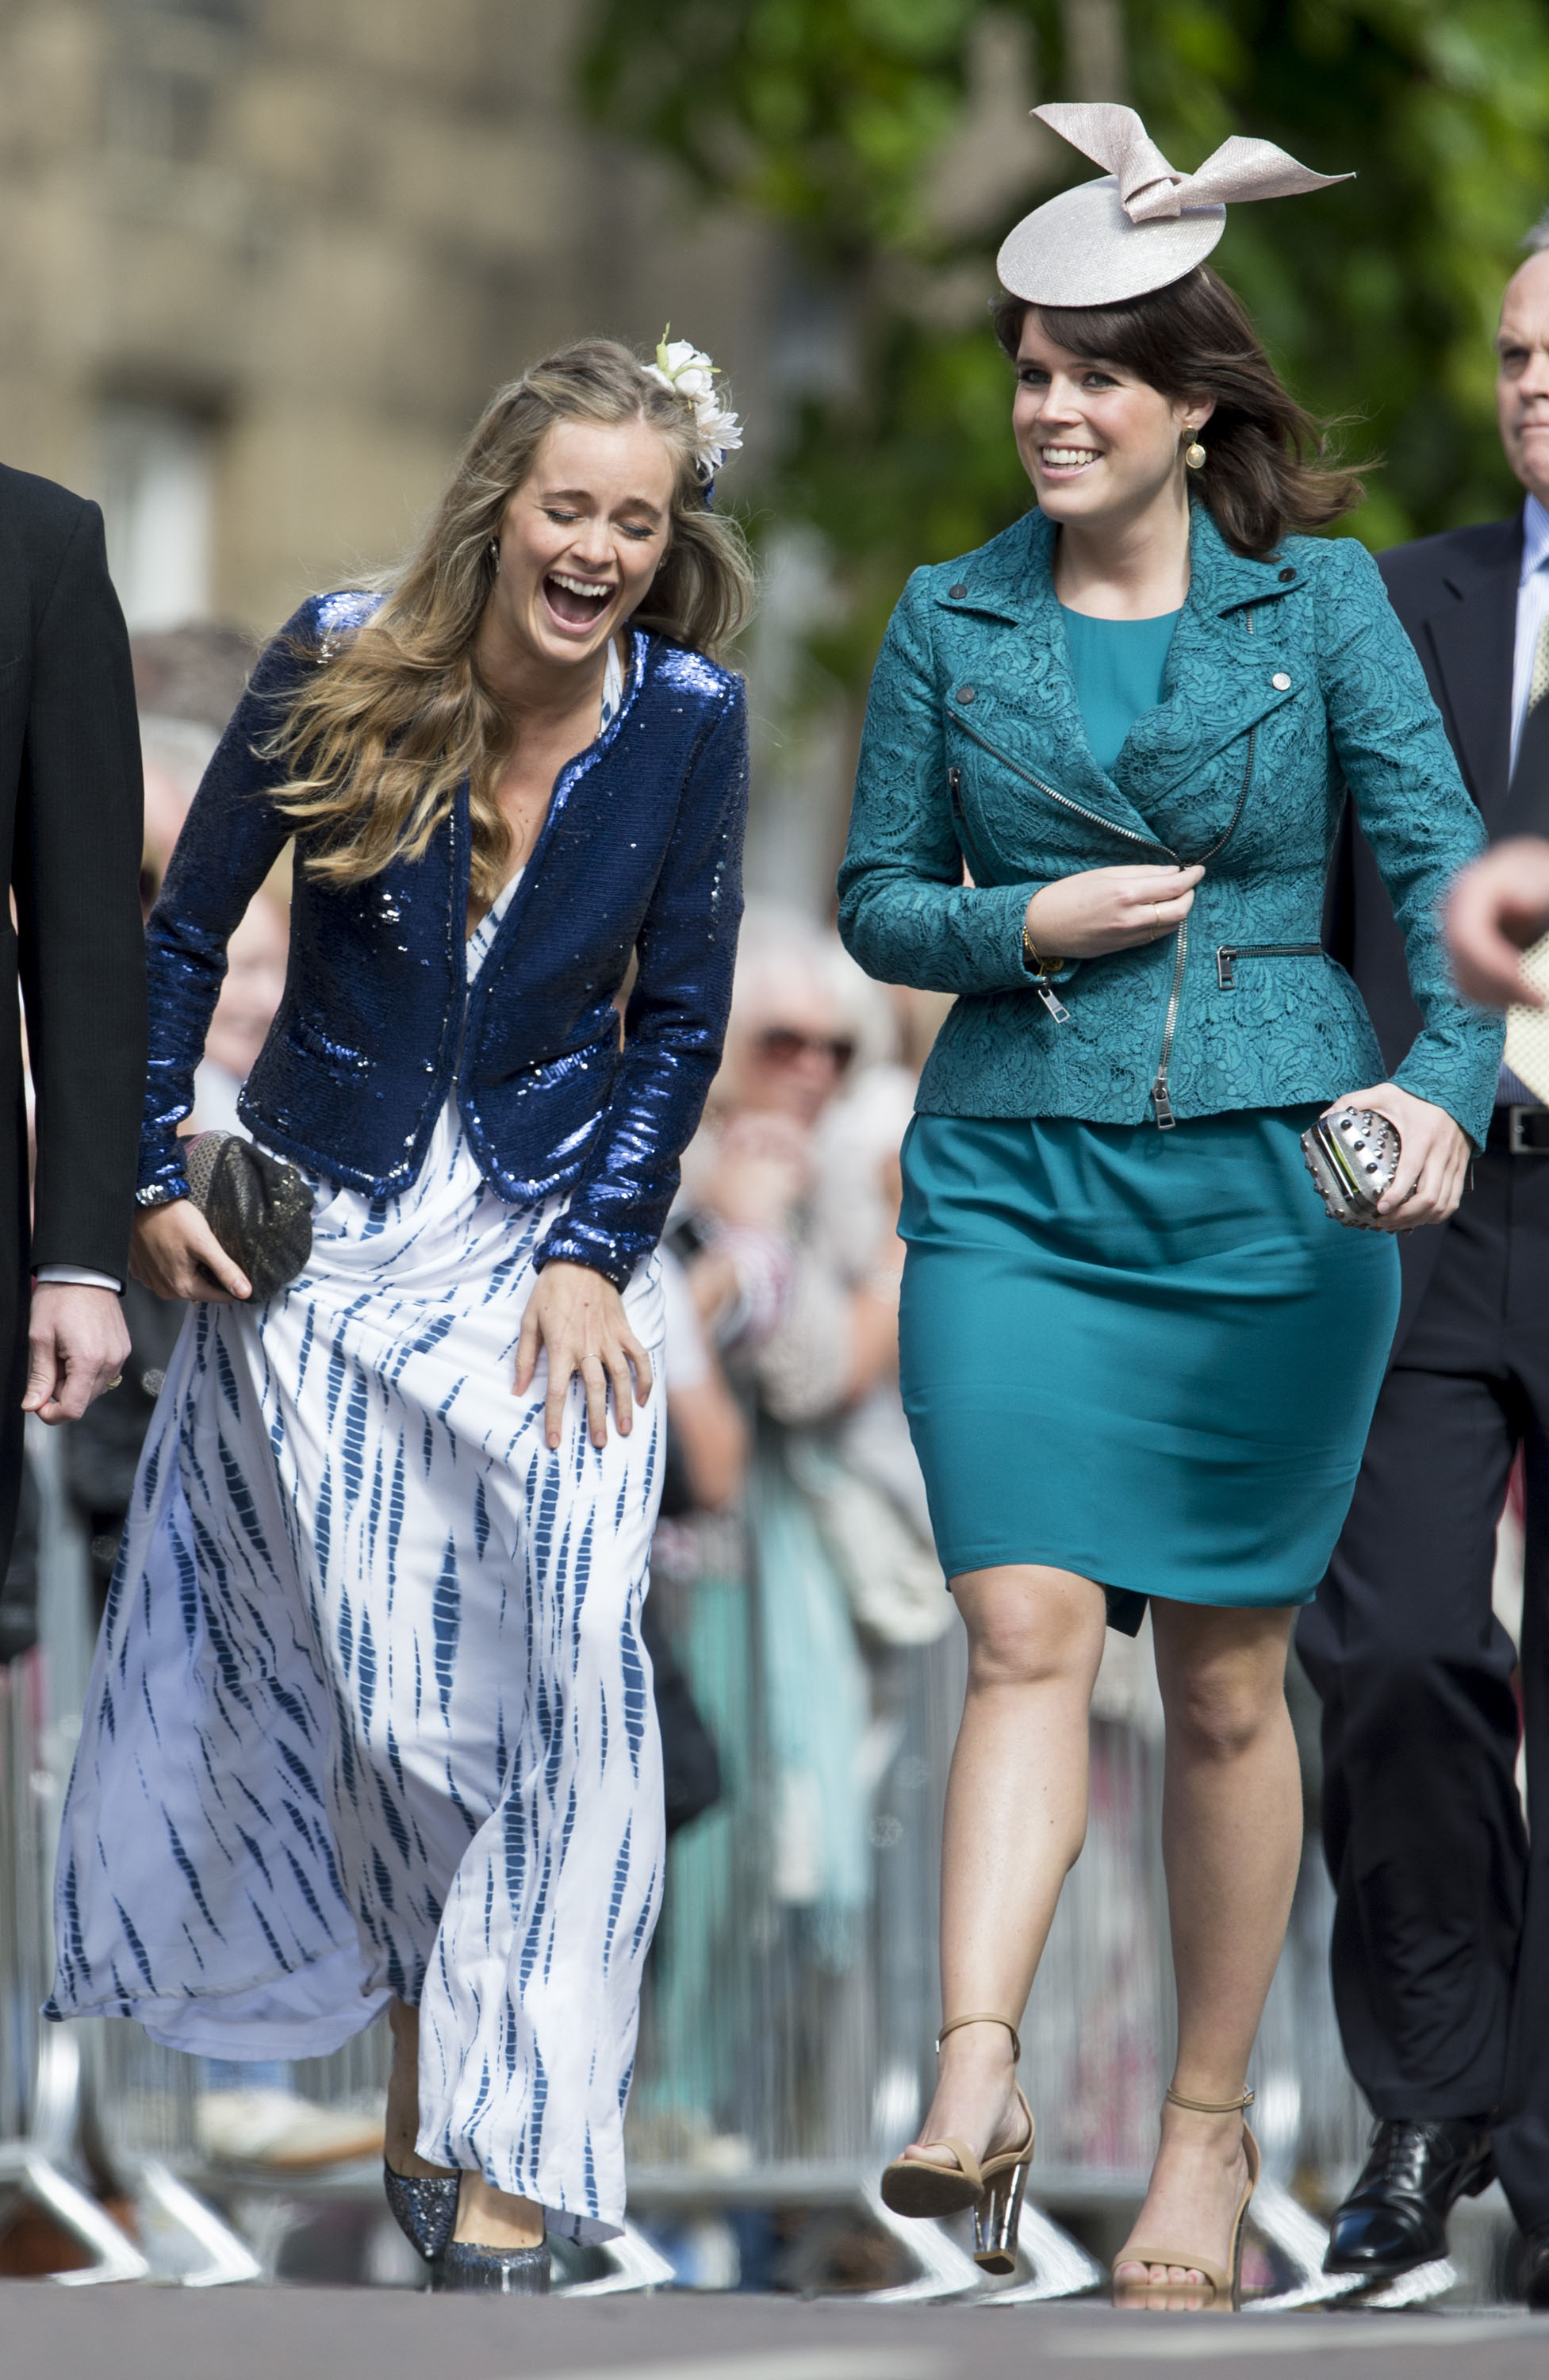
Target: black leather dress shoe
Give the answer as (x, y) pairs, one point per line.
(1396, 2216)
(1533, 2271)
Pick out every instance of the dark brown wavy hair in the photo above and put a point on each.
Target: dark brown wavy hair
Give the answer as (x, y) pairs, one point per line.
(1271, 469)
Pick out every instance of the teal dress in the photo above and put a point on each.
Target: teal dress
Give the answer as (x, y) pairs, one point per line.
(1147, 1357)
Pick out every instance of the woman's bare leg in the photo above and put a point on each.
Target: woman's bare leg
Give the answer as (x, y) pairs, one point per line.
(1016, 1818)
(491, 2218)
(403, 2095)
(1232, 1841)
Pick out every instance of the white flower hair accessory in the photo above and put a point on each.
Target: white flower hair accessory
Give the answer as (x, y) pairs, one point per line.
(689, 373)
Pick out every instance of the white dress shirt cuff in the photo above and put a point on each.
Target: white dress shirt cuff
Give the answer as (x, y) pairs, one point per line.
(78, 1277)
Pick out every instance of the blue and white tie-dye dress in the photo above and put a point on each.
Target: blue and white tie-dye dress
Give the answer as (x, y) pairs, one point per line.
(370, 1714)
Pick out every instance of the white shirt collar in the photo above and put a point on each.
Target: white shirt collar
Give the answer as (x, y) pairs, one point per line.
(1535, 539)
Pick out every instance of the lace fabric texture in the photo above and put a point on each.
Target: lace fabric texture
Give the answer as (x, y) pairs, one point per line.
(1288, 681)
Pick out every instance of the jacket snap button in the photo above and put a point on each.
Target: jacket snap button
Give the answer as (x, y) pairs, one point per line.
(1286, 578)
(1280, 682)
(965, 693)
(958, 592)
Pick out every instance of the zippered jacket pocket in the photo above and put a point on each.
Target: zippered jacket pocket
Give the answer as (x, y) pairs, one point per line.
(1045, 992)
(1228, 954)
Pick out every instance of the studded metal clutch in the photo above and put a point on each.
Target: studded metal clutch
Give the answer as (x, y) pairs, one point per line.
(1352, 1156)
(258, 1207)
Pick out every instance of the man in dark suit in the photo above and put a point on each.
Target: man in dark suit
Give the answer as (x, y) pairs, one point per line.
(1441, 1938)
(70, 819)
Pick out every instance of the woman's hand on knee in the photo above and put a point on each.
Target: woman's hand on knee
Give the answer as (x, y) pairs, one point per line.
(577, 1320)
(1432, 1161)
(174, 1252)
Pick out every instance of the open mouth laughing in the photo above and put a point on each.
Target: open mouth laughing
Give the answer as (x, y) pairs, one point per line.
(577, 602)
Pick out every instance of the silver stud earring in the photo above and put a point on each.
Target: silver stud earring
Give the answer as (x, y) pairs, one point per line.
(1194, 456)
(495, 555)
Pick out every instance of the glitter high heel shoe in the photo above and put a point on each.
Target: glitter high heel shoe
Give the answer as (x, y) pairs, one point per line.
(513, 2272)
(1223, 2281)
(992, 2186)
(424, 2207)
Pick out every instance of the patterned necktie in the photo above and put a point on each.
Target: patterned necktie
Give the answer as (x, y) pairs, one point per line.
(1526, 808)
(1538, 684)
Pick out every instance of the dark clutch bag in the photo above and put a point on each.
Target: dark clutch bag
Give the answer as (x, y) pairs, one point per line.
(258, 1207)
(1352, 1156)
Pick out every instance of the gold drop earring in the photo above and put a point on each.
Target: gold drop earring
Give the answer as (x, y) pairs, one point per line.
(1194, 454)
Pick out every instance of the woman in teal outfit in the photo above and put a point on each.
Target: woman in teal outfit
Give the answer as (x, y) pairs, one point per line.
(1103, 763)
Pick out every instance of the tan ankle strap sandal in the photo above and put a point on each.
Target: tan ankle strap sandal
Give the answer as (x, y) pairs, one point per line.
(1223, 2281)
(992, 2186)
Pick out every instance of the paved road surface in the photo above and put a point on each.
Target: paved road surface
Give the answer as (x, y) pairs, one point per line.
(49, 2333)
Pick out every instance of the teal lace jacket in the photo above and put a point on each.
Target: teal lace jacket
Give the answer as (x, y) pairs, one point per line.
(1288, 681)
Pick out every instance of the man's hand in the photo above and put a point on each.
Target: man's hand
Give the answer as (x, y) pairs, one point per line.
(79, 1345)
(1497, 908)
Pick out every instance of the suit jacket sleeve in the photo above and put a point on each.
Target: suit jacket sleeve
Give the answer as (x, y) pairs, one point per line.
(676, 1019)
(74, 873)
(1416, 816)
(904, 911)
(230, 840)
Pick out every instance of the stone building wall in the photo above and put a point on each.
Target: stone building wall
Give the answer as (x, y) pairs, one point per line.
(262, 260)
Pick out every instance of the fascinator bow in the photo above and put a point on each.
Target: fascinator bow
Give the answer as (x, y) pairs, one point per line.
(1153, 191)
(1143, 224)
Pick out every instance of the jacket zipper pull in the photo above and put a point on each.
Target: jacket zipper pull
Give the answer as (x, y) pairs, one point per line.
(1060, 1014)
(1165, 1117)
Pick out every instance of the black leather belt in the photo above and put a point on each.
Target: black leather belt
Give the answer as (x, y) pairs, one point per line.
(1521, 1131)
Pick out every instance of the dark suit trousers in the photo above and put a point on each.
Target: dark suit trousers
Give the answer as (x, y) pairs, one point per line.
(1441, 1938)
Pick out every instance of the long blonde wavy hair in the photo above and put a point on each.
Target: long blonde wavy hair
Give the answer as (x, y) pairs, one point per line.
(383, 733)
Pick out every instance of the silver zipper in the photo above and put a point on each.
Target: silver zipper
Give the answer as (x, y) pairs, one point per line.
(1095, 817)
(1228, 954)
(1050, 999)
(1160, 1101)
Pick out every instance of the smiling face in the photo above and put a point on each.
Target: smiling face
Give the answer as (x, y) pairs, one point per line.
(1522, 378)
(1098, 443)
(581, 540)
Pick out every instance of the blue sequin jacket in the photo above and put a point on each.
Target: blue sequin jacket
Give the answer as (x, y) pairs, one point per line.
(1288, 681)
(640, 854)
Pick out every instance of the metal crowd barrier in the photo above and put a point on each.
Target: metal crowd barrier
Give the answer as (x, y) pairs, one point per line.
(779, 2064)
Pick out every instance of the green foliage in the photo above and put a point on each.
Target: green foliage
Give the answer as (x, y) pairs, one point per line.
(1377, 298)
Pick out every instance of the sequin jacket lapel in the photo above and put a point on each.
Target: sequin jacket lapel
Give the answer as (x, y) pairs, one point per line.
(640, 852)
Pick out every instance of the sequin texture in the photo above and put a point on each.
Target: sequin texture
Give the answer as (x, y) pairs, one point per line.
(640, 852)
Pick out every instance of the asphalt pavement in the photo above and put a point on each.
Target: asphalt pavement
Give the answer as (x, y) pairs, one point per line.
(146, 2333)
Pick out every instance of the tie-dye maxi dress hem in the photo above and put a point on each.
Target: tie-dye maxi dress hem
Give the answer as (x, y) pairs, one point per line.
(370, 1714)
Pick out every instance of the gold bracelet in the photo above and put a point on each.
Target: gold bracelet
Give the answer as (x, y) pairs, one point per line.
(1042, 967)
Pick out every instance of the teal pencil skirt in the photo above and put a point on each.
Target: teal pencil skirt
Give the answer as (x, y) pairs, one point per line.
(1146, 1356)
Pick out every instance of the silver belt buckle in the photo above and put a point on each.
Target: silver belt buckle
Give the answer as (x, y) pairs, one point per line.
(1518, 1143)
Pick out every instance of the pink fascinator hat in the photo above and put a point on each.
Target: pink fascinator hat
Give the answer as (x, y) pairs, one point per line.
(1143, 224)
